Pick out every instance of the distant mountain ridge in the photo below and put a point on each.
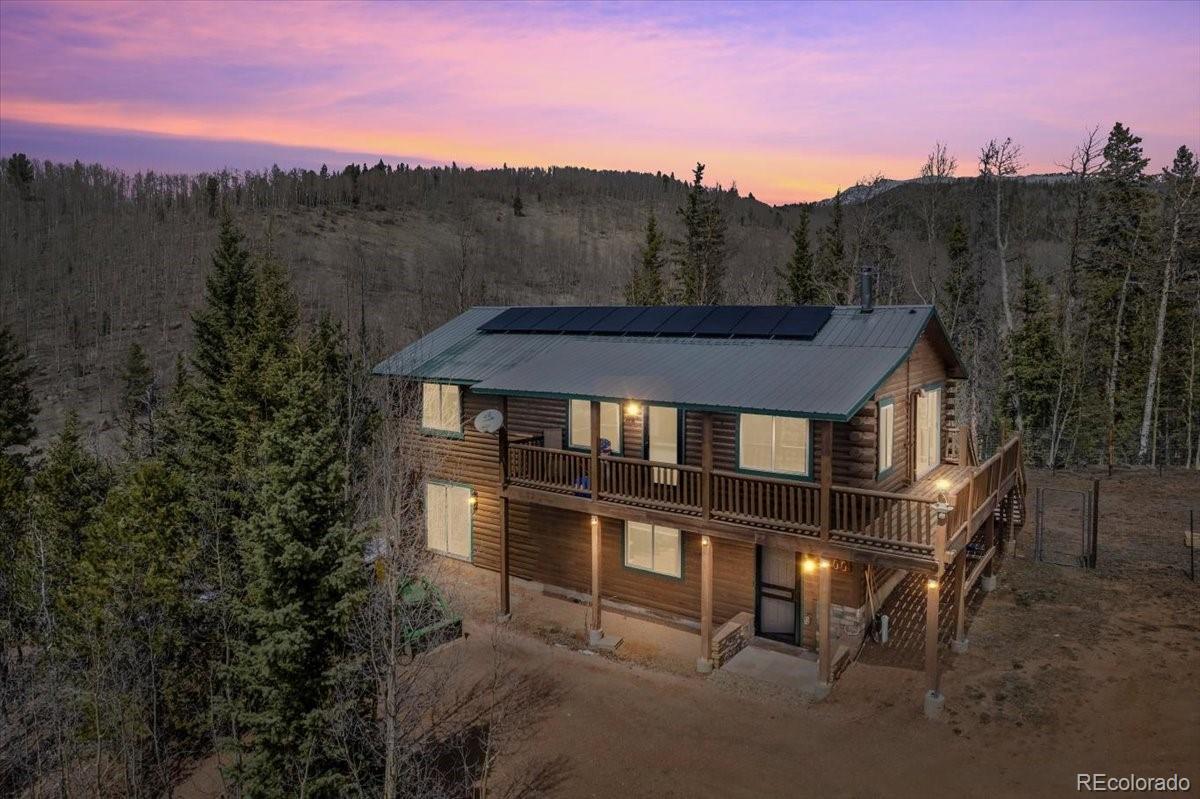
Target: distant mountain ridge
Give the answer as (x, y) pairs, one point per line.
(861, 192)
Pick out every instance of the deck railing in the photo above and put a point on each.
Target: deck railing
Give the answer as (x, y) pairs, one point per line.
(650, 484)
(789, 505)
(878, 520)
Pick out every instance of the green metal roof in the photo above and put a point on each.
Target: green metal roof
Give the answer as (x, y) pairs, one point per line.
(828, 377)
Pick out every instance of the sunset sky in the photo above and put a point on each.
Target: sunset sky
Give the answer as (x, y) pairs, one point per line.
(791, 101)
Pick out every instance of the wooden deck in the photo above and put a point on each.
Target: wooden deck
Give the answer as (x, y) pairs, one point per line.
(901, 528)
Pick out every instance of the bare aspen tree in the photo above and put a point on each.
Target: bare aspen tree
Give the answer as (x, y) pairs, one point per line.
(1182, 188)
(999, 161)
(936, 174)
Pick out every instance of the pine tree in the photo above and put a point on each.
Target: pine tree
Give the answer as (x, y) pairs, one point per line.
(132, 599)
(1033, 352)
(517, 205)
(17, 412)
(832, 264)
(798, 281)
(645, 286)
(66, 494)
(700, 256)
(139, 402)
(17, 405)
(960, 296)
(304, 567)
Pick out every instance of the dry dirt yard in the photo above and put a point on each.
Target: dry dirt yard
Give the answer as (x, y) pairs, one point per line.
(1068, 671)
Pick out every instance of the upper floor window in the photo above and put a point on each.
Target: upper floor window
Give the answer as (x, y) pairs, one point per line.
(441, 408)
(887, 434)
(580, 424)
(773, 444)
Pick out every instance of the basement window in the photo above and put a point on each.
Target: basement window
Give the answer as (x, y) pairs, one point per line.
(441, 409)
(652, 548)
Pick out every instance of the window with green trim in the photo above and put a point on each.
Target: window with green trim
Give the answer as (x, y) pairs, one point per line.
(580, 433)
(887, 431)
(773, 444)
(448, 519)
(441, 408)
(652, 548)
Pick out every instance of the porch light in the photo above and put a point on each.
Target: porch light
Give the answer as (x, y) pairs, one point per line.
(931, 584)
(632, 408)
(473, 500)
(704, 542)
(942, 507)
(809, 566)
(595, 520)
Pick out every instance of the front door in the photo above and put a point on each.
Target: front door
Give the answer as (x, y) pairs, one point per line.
(928, 431)
(779, 611)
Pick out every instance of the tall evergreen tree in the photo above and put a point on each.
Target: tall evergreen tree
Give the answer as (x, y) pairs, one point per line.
(645, 286)
(139, 402)
(17, 412)
(1033, 352)
(700, 255)
(305, 576)
(67, 491)
(798, 280)
(959, 298)
(17, 405)
(132, 626)
(833, 266)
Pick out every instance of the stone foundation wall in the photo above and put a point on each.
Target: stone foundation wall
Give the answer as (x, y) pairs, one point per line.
(731, 638)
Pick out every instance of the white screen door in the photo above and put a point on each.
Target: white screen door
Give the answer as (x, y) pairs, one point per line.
(929, 430)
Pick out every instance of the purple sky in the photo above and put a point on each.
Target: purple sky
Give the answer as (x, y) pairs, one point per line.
(791, 101)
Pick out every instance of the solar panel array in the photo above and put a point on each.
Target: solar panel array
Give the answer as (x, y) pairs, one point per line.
(714, 321)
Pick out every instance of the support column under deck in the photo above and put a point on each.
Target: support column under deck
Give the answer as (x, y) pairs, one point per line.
(988, 580)
(960, 601)
(595, 626)
(824, 620)
(704, 663)
(933, 694)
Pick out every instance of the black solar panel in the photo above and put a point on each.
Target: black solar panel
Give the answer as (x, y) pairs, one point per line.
(555, 321)
(759, 321)
(615, 322)
(737, 321)
(501, 321)
(802, 321)
(585, 321)
(525, 322)
(721, 321)
(649, 321)
(684, 320)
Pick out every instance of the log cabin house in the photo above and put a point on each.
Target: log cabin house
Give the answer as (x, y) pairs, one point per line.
(737, 470)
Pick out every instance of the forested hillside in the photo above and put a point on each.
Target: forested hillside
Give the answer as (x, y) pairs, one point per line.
(1074, 298)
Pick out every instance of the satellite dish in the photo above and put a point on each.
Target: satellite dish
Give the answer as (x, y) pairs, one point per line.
(489, 421)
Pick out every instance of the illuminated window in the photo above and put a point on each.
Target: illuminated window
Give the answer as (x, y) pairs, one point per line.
(580, 423)
(441, 408)
(652, 548)
(887, 429)
(773, 444)
(448, 519)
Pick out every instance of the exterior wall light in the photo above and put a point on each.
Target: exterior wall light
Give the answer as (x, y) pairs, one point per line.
(809, 566)
(931, 584)
(595, 520)
(473, 500)
(942, 507)
(632, 408)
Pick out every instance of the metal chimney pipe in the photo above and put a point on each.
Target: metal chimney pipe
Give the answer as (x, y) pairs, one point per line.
(866, 287)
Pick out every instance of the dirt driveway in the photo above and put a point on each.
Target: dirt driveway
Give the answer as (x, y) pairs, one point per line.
(1068, 671)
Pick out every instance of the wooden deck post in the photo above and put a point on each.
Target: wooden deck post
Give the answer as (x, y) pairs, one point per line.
(933, 694)
(594, 478)
(505, 611)
(704, 663)
(595, 627)
(824, 638)
(826, 479)
(706, 463)
(988, 580)
(960, 600)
